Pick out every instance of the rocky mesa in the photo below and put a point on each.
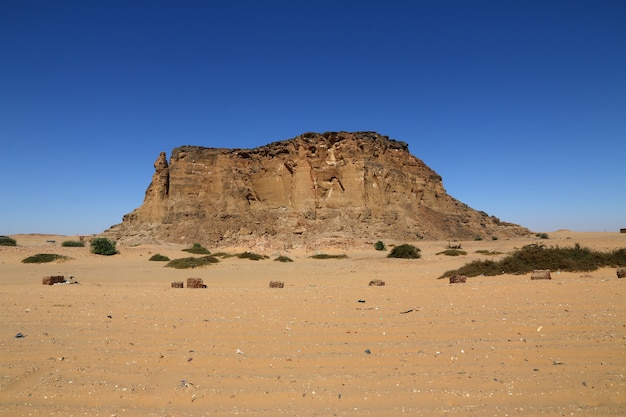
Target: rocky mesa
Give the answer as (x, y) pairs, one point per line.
(317, 188)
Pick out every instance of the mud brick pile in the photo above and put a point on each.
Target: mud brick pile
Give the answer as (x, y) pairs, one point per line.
(377, 283)
(458, 279)
(178, 284)
(277, 284)
(58, 279)
(195, 283)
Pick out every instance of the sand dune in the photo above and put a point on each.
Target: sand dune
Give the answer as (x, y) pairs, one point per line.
(123, 343)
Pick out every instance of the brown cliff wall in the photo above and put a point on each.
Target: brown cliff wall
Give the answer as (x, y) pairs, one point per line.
(338, 185)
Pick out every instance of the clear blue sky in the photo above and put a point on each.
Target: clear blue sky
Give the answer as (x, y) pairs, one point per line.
(519, 105)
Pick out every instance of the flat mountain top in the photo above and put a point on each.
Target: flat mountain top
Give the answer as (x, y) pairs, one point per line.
(333, 188)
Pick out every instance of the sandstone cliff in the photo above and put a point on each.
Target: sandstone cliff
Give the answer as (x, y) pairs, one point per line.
(315, 188)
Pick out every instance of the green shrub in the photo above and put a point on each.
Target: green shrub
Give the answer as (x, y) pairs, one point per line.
(477, 238)
(243, 255)
(103, 246)
(405, 251)
(617, 257)
(73, 244)
(42, 258)
(327, 256)
(283, 259)
(542, 236)
(158, 257)
(7, 241)
(379, 245)
(531, 257)
(494, 237)
(192, 262)
(252, 256)
(197, 249)
(452, 252)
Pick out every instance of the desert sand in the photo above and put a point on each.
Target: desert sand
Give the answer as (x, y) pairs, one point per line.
(122, 342)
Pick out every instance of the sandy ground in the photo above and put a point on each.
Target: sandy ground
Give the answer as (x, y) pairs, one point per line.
(124, 343)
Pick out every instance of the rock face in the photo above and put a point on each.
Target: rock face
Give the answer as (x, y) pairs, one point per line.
(315, 188)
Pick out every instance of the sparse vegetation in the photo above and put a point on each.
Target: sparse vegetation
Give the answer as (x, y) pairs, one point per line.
(252, 256)
(243, 255)
(283, 259)
(494, 237)
(73, 244)
(103, 246)
(452, 252)
(405, 251)
(379, 245)
(197, 249)
(486, 252)
(532, 257)
(42, 258)
(158, 257)
(7, 241)
(477, 238)
(192, 262)
(327, 256)
(542, 236)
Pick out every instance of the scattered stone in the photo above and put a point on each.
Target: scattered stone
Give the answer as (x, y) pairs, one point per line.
(458, 279)
(367, 351)
(19, 336)
(377, 283)
(195, 283)
(621, 272)
(277, 284)
(178, 284)
(361, 301)
(541, 274)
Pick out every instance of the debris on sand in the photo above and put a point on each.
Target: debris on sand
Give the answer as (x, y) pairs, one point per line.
(58, 279)
(458, 279)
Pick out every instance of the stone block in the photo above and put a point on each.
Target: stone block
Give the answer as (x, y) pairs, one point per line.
(541, 274)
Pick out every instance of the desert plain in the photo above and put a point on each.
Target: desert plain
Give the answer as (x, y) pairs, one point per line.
(123, 342)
